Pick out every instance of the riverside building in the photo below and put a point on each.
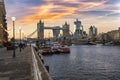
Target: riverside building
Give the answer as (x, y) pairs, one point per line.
(3, 24)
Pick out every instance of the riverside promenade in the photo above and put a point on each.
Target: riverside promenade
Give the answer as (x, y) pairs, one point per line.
(18, 68)
(22, 66)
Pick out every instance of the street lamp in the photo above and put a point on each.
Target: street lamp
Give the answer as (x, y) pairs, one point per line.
(13, 19)
(20, 38)
(22, 35)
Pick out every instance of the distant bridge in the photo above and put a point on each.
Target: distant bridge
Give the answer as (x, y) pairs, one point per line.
(56, 30)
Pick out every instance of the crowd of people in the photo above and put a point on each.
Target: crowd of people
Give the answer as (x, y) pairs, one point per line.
(12, 45)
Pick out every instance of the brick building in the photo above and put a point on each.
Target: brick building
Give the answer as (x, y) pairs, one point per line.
(3, 24)
(114, 34)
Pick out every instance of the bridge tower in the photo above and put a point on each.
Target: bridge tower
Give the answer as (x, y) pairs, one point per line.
(56, 31)
(66, 30)
(40, 30)
(79, 29)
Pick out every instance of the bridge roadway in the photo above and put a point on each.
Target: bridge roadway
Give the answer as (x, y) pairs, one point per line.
(21, 67)
(57, 27)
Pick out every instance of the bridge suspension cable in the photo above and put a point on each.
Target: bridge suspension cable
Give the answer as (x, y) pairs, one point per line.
(31, 33)
(28, 36)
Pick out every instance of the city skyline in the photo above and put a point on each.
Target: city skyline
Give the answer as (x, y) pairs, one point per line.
(103, 14)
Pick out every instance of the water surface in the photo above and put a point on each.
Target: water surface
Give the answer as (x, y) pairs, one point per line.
(86, 63)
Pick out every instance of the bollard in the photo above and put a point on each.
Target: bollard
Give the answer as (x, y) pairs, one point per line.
(47, 68)
(42, 61)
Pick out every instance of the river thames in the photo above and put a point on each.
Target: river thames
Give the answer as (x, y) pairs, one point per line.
(86, 63)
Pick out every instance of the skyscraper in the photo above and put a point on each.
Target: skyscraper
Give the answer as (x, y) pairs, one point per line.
(92, 32)
(79, 29)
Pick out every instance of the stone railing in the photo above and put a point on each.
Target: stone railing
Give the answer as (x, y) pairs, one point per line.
(40, 71)
(36, 70)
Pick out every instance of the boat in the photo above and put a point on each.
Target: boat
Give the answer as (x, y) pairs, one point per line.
(109, 43)
(46, 50)
(56, 48)
(64, 49)
(91, 43)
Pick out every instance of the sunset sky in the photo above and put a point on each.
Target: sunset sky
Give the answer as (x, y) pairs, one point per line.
(104, 14)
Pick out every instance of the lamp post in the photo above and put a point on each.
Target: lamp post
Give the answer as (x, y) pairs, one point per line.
(20, 38)
(13, 19)
(22, 35)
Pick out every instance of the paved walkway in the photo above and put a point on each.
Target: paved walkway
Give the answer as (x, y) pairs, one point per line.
(18, 68)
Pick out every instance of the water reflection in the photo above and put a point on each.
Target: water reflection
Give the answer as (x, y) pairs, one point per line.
(86, 63)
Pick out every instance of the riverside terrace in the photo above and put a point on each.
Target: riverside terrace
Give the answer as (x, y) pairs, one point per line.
(25, 66)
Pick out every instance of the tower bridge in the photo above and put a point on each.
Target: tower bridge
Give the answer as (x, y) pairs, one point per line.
(55, 29)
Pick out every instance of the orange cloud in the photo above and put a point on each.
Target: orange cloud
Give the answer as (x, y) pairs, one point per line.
(44, 12)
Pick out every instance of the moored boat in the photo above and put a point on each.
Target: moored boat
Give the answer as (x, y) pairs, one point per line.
(46, 50)
(64, 49)
(56, 48)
